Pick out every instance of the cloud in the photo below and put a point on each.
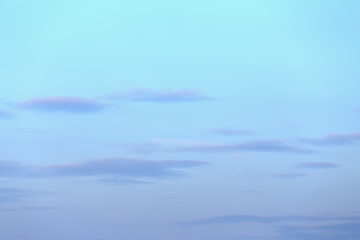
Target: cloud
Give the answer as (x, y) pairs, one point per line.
(141, 148)
(11, 169)
(255, 146)
(29, 209)
(6, 114)
(318, 165)
(62, 104)
(261, 219)
(230, 132)
(289, 175)
(150, 95)
(16, 194)
(110, 171)
(342, 231)
(121, 167)
(333, 139)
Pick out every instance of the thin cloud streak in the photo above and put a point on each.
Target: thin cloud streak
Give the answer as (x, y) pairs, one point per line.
(17, 194)
(113, 170)
(289, 175)
(255, 146)
(333, 139)
(261, 219)
(232, 132)
(62, 104)
(163, 96)
(122, 167)
(318, 165)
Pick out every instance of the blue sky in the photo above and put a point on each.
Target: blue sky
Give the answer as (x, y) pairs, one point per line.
(171, 120)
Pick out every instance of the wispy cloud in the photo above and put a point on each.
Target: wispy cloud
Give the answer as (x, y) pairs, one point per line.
(151, 95)
(254, 146)
(230, 132)
(62, 104)
(333, 139)
(318, 165)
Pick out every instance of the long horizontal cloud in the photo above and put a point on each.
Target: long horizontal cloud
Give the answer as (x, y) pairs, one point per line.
(123, 168)
(289, 175)
(113, 170)
(342, 231)
(261, 219)
(333, 139)
(255, 146)
(347, 229)
(150, 95)
(62, 104)
(231, 132)
(318, 165)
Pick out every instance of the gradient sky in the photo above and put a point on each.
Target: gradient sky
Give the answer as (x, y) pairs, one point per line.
(173, 120)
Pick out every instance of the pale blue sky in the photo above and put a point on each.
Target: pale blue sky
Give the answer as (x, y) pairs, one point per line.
(171, 120)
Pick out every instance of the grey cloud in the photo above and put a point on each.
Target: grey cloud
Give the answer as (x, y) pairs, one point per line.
(318, 165)
(231, 132)
(62, 104)
(150, 95)
(255, 146)
(333, 139)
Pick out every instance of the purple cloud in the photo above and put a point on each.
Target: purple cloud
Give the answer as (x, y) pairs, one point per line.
(318, 165)
(255, 146)
(150, 95)
(333, 139)
(62, 104)
(226, 131)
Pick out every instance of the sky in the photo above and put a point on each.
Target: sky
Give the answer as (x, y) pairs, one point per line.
(173, 120)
